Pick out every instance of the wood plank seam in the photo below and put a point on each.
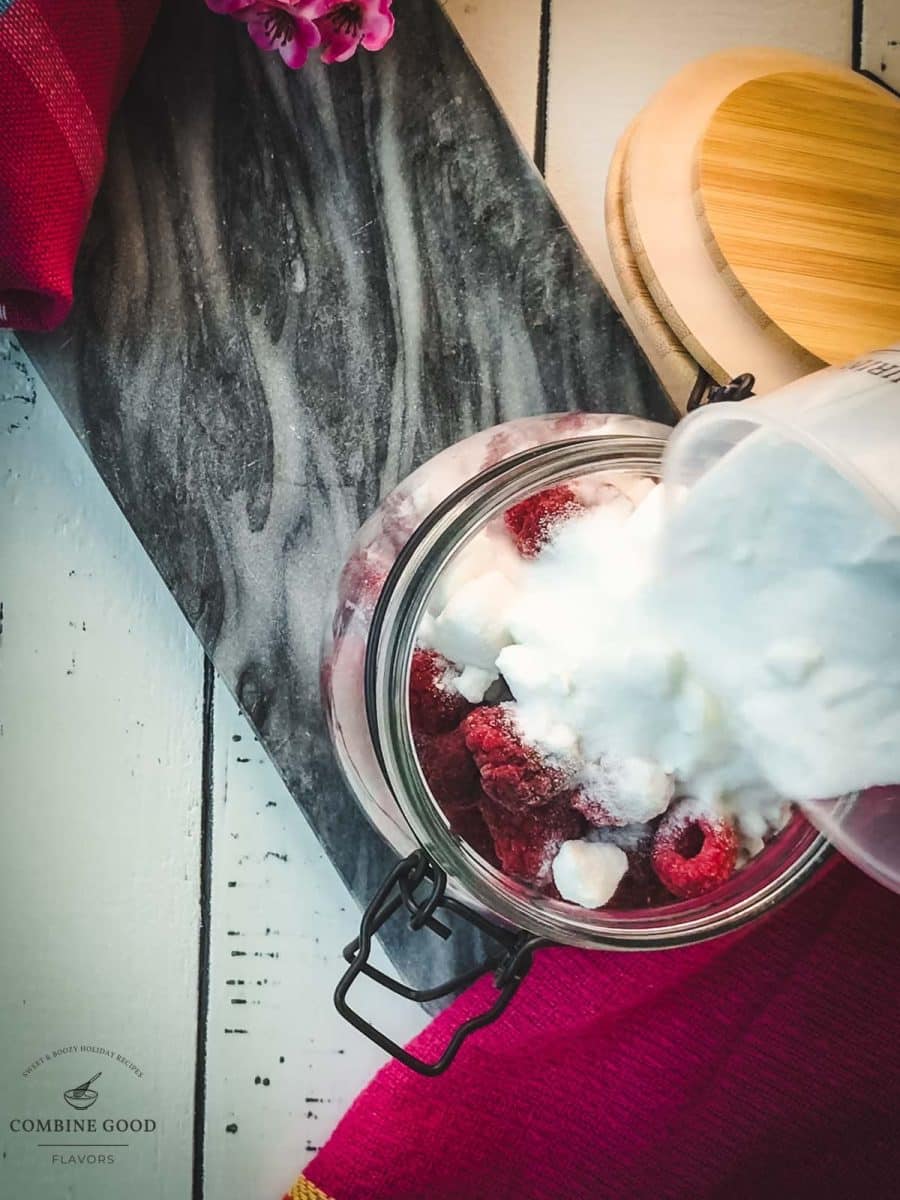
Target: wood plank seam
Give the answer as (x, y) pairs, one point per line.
(543, 88)
(204, 943)
(857, 49)
(856, 35)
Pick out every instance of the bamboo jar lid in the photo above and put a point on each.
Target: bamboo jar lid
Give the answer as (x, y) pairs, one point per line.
(798, 194)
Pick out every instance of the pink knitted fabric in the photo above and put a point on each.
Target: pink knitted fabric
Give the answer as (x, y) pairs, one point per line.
(765, 1064)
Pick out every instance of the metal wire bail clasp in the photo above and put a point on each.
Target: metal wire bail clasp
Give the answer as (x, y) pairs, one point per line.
(401, 889)
(707, 392)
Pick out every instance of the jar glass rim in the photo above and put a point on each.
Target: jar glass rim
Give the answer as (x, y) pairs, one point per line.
(398, 614)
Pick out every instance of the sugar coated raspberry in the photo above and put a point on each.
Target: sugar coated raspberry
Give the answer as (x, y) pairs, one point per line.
(593, 810)
(435, 705)
(623, 791)
(694, 849)
(531, 522)
(448, 767)
(512, 772)
(526, 842)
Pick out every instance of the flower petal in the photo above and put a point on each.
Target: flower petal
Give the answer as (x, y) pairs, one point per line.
(338, 46)
(294, 55)
(261, 29)
(379, 29)
(229, 7)
(303, 10)
(314, 9)
(296, 51)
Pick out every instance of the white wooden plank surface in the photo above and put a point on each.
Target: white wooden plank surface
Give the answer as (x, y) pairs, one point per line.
(282, 1066)
(881, 41)
(99, 775)
(503, 37)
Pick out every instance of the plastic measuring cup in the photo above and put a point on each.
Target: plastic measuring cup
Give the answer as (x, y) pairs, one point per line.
(850, 417)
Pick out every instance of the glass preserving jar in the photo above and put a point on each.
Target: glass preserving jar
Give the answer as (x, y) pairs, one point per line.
(393, 565)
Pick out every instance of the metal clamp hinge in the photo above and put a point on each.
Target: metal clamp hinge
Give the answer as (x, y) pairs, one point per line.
(399, 890)
(706, 392)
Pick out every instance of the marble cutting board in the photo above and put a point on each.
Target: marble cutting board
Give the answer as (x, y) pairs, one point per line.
(294, 289)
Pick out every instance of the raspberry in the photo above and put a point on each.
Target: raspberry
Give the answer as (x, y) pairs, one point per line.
(526, 842)
(640, 887)
(505, 441)
(468, 823)
(449, 768)
(574, 422)
(512, 773)
(592, 809)
(362, 579)
(531, 522)
(623, 791)
(452, 776)
(693, 850)
(399, 518)
(433, 706)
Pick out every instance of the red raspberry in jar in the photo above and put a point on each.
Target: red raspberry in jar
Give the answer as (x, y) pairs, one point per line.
(694, 849)
(512, 772)
(435, 705)
(532, 522)
(526, 842)
(448, 767)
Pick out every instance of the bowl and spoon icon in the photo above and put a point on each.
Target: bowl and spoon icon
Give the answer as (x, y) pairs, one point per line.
(82, 1096)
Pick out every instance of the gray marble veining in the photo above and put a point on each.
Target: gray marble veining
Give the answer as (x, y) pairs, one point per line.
(294, 289)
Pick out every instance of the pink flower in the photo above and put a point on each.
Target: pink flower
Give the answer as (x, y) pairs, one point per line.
(228, 7)
(282, 25)
(343, 24)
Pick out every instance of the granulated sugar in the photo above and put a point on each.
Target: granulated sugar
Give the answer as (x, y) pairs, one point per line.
(745, 652)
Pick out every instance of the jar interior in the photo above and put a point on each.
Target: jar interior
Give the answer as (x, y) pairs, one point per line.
(786, 860)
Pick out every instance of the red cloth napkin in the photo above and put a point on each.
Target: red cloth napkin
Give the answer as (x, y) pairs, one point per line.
(764, 1064)
(63, 67)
